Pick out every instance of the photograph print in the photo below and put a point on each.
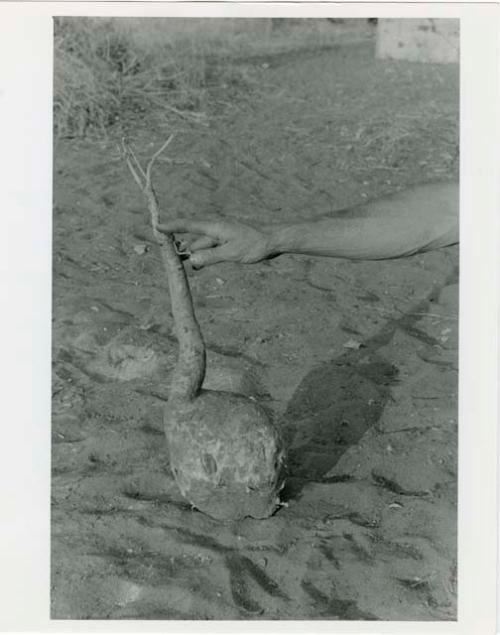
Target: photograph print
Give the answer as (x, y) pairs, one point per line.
(255, 319)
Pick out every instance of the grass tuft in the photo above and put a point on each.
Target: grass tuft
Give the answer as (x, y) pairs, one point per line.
(107, 69)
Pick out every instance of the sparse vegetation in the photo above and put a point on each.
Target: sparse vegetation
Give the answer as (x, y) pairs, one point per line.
(111, 72)
(107, 69)
(102, 74)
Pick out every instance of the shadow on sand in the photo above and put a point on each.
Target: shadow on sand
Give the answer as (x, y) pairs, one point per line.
(338, 401)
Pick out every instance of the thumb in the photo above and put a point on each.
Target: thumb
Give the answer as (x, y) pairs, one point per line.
(204, 257)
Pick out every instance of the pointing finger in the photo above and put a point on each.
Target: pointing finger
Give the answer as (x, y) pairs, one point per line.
(183, 225)
(203, 243)
(208, 257)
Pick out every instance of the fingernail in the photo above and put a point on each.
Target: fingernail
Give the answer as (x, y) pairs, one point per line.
(196, 266)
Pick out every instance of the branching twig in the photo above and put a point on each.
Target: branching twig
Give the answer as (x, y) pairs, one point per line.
(153, 159)
(143, 180)
(137, 163)
(189, 372)
(133, 165)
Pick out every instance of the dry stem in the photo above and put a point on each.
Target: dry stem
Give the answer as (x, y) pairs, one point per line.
(190, 369)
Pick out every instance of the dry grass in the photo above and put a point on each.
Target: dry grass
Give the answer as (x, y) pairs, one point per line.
(108, 72)
(383, 144)
(106, 69)
(101, 74)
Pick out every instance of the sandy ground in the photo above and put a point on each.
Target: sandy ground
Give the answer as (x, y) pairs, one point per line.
(358, 361)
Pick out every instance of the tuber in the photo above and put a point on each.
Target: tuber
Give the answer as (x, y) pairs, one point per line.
(225, 453)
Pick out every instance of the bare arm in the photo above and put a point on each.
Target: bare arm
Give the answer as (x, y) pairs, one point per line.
(420, 219)
(416, 220)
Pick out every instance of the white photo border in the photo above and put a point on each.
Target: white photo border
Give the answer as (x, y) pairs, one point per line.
(25, 277)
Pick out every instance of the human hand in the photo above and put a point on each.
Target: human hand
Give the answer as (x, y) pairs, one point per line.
(220, 241)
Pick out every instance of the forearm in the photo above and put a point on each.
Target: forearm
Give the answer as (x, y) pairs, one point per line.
(422, 218)
(385, 229)
(338, 238)
(369, 239)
